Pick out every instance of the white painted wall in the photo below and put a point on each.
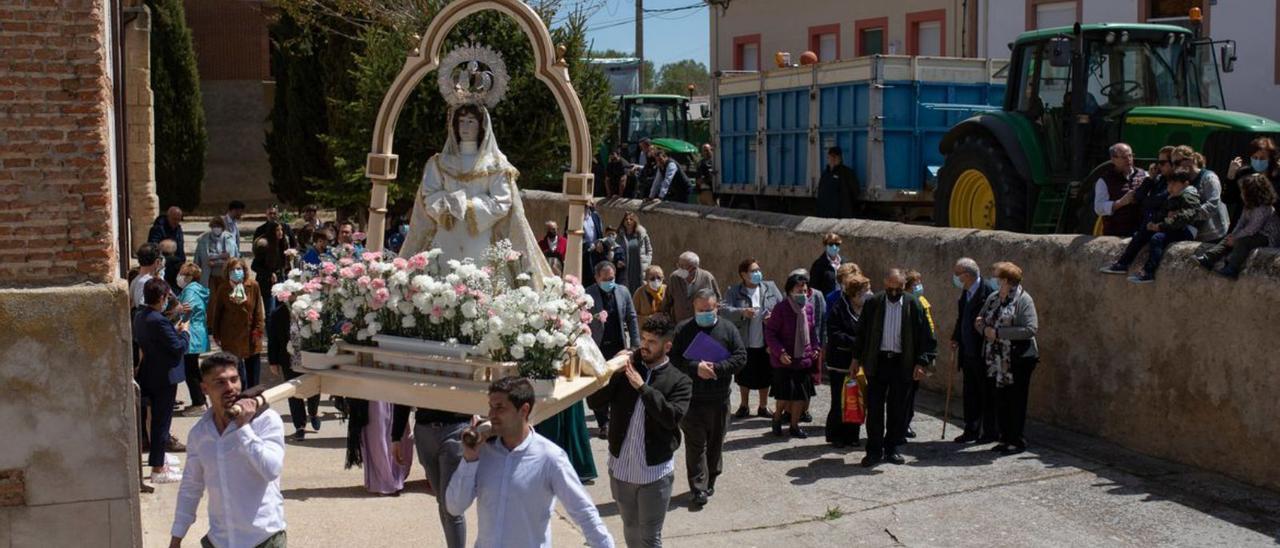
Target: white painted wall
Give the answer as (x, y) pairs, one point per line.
(1001, 22)
(1251, 88)
(1111, 11)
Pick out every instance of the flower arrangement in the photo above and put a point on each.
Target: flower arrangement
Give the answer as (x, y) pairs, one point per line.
(494, 305)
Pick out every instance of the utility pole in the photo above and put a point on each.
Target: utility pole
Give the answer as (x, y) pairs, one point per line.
(640, 39)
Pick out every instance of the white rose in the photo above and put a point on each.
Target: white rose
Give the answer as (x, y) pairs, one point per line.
(526, 339)
(469, 310)
(409, 321)
(305, 331)
(517, 352)
(545, 338)
(560, 340)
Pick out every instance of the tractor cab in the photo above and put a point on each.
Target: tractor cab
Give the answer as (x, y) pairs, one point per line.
(663, 119)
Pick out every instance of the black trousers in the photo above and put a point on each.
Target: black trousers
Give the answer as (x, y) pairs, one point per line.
(1237, 255)
(1013, 402)
(980, 417)
(888, 394)
(704, 426)
(299, 409)
(838, 431)
(191, 364)
(251, 373)
(160, 401)
(609, 349)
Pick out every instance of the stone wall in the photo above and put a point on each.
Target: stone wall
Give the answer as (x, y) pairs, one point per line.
(236, 165)
(140, 138)
(1182, 369)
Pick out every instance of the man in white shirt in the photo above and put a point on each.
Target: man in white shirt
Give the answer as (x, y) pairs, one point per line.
(149, 262)
(239, 460)
(235, 210)
(517, 474)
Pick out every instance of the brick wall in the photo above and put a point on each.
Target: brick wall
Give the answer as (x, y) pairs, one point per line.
(230, 38)
(55, 189)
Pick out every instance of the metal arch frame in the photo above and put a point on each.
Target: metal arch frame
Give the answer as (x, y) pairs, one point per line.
(549, 67)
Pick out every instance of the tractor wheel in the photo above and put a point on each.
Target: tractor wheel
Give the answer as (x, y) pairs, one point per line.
(978, 187)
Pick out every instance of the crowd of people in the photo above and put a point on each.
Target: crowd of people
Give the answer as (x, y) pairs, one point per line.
(1179, 199)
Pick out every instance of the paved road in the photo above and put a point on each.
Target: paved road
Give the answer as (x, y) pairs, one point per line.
(1067, 490)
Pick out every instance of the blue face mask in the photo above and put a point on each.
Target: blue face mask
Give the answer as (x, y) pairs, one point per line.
(918, 290)
(237, 276)
(705, 319)
(833, 250)
(955, 280)
(757, 277)
(799, 299)
(608, 286)
(404, 230)
(1259, 166)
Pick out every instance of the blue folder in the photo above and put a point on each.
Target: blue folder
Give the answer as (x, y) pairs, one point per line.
(706, 349)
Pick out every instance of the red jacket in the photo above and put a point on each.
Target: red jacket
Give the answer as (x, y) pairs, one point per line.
(558, 252)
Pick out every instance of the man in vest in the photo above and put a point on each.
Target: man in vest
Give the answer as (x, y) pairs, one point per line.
(1113, 193)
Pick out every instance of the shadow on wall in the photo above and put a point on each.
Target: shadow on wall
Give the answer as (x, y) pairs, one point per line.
(1161, 368)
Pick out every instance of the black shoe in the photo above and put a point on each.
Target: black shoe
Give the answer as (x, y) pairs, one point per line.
(870, 460)
(1000, 447)
(806, 417)
(742, 413)
(315, 423)
(855, 443)
(1203, 262)
(777, 428)
(711, 490)
(911, 434)
(699, 499)
(798, 433)
(893, 457)
(603, 432)
(1013, 450)
(837, 444)
(299, 435)
(966, 437)
(988, 439)
(764, 413)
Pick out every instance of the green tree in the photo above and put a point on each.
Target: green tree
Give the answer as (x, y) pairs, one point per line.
(676, 77)
(650, 75)
(180, 137)
(528, 123)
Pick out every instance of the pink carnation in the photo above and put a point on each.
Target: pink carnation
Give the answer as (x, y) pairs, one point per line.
(584, 316)
(358, 269)
(382, 295)
(363, 281)
(346, 328)
(358, 236)
(418, 262)
(329, 268)
(284, 295)
(378, 283)
(347, 272)
(312, 315)
(436, 312)
(400, 263)
(370, 257)
(603, 316)
(460, 289)
(345, 261)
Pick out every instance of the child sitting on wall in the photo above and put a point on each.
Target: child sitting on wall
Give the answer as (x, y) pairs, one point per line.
(1257, 227)
(1175, 224)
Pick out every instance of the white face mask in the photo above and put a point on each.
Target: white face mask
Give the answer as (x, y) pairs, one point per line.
(655, 284)
(183, 281)
(682, 273)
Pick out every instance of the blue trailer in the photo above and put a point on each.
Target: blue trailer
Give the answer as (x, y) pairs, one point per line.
(887, 113)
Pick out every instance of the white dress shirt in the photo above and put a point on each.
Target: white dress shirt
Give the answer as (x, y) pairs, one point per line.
(241, 467)
(662, 180)
(517, 491)
(891, 338)
(755, 326)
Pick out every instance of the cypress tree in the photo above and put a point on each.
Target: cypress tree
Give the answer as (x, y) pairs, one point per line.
(298, 112)
(180, 136)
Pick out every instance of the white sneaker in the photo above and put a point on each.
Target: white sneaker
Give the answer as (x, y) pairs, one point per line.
(171, 460)
(169, 475)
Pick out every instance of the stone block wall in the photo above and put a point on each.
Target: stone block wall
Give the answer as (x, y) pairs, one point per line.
(1183, 369)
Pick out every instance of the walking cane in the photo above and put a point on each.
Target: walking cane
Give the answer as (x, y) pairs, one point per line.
(946, 407)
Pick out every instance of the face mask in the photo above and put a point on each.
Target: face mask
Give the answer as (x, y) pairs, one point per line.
(799, 299)
(655, 284)
(918, 289)
(955, 280)
(404, 230)
(833, 250)
(757, 277)
(237, 275)
(183, 281)
(608, 286)
(217, 231)
(681, 273)
(705, 319)
(894, 295)
(992, 283)
(1259, 166)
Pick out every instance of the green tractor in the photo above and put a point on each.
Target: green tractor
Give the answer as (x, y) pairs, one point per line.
(1072, 92)
(664, 119)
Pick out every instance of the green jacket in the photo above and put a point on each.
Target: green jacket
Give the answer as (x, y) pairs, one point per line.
(1180, 211)
(918, 343)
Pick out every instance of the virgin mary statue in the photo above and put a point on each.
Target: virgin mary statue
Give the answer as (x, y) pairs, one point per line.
(468, 199)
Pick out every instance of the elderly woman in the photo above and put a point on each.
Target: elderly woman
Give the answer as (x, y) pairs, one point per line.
(748, 305)
(236, 319)
(792, 338)
(1008, 324)
(648, 297)
(163, 345)
(634, 240)
(213, 249)
(195, 296)
(844, 317)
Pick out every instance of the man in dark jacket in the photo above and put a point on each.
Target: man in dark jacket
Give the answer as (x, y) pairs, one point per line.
(838, 187)
(169, 227)
(895, 346)
(707, 420)
(647, 400)
(273, 216)
(979, 390)
(613, 324)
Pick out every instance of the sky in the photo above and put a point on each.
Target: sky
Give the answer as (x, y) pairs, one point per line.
(668, 37)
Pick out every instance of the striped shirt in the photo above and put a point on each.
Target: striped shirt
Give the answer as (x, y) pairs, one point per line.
(629, 465)
(891, 339)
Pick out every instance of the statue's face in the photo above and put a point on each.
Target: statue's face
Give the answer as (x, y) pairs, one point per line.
(468, 127)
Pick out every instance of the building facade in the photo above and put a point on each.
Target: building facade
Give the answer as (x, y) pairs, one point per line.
(747, 34)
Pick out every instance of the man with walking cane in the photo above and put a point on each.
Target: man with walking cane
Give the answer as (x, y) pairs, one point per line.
(966, 347)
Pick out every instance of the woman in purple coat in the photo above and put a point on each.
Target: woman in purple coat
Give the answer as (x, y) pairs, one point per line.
(792, 337)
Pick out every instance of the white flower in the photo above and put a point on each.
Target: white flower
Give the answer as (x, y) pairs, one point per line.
(409, 321)
(305, 331)
(469, 310)
(559, 340)
(545, 339)
(526, 339)
(517, 352)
